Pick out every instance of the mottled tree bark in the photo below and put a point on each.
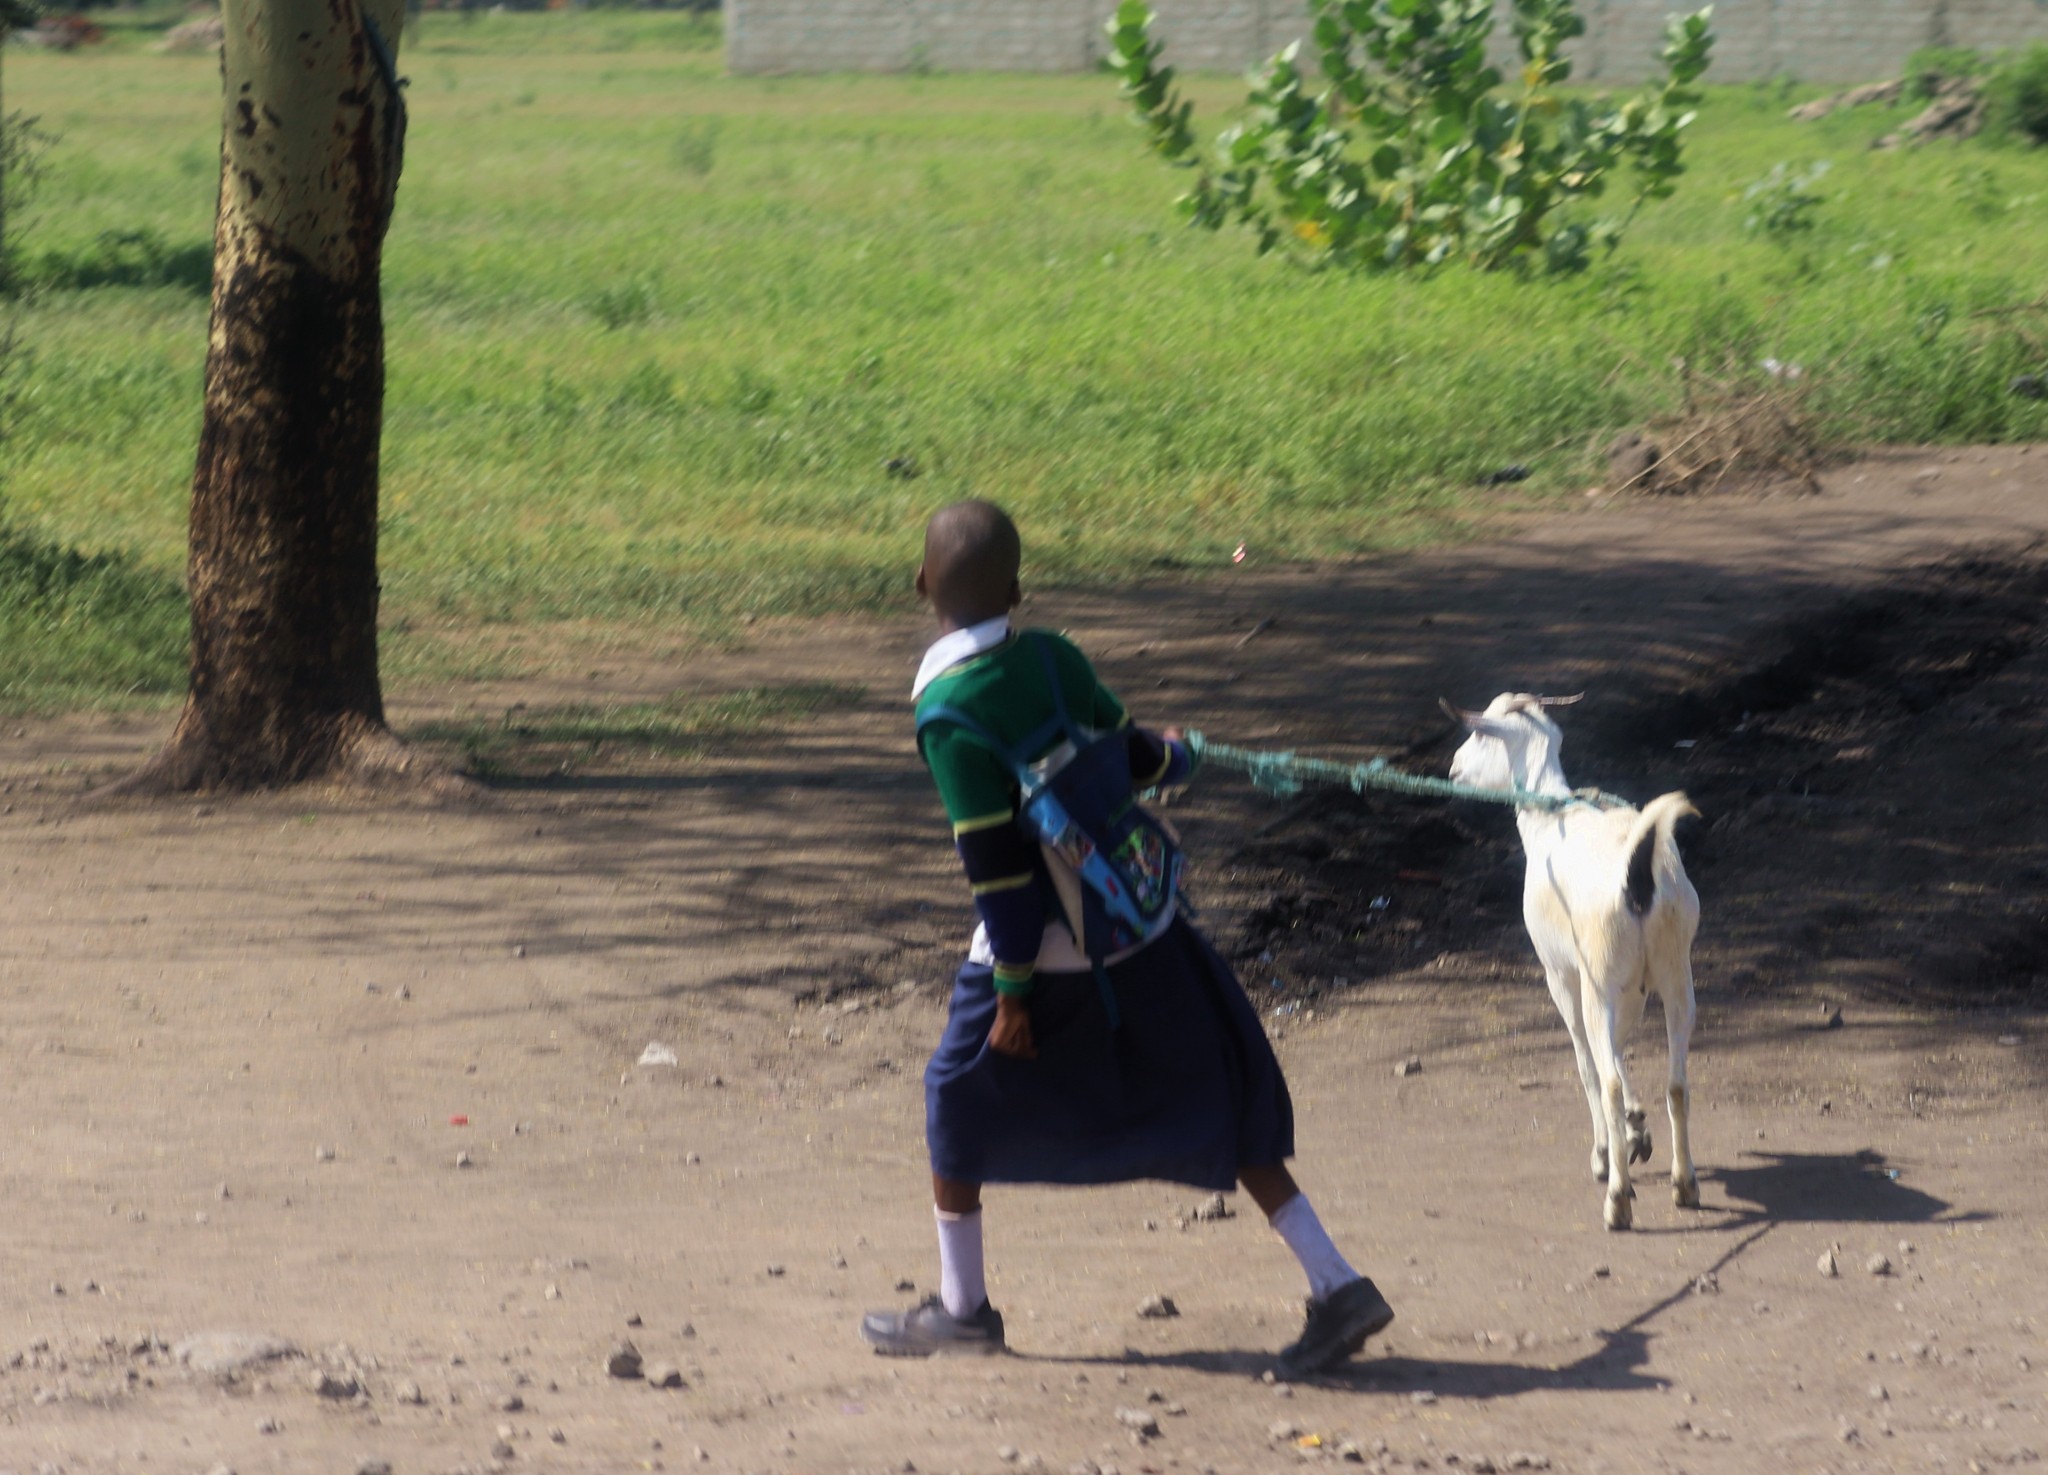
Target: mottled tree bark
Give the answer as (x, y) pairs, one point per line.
(283, 552)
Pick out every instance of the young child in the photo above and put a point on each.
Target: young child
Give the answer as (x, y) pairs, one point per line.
(1041, 1078)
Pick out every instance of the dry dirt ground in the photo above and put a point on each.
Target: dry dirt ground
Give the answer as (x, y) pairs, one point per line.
(362, 1078)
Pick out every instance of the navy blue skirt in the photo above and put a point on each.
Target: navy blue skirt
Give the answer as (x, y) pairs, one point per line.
(1184, 1089)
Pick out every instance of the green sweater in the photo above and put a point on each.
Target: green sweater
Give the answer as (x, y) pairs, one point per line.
(1005, 690)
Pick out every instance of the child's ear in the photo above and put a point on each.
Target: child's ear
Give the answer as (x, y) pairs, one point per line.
(923, 589)
(1016, 593)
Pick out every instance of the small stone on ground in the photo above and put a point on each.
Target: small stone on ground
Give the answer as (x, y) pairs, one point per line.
(225, 1353)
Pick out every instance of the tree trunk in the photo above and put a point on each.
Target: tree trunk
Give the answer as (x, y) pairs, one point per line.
(283, 552)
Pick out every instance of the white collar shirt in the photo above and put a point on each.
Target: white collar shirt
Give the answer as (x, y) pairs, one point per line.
(950, 649)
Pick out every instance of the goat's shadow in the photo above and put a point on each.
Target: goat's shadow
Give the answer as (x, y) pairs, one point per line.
(1770, 1189)
(1829, 1188)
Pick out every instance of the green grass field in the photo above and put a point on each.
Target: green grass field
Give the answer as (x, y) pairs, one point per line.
(655, 332)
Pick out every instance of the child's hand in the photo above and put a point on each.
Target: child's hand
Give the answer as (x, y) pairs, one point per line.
(1012, 1033)
(1173, 734)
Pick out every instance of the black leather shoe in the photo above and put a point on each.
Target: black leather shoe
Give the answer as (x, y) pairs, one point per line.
(1336, 1328)
(928, 1329)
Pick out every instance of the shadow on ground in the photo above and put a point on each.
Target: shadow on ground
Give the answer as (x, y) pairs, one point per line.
(1784, 1188)
(1831, 1188)
(1870, 751)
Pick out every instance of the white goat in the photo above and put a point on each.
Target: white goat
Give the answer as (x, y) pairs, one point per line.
(1612, 916)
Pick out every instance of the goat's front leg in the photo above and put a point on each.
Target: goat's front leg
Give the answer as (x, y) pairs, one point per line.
(1603, 1029)
(1679, 1013)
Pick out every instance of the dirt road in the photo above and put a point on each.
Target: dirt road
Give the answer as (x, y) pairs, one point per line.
(363, 1078)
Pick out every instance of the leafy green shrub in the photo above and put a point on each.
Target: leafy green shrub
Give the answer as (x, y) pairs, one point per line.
(2016, 97)
(127, 258)
(1931, 68)
(1411, 155)
(1784, 202)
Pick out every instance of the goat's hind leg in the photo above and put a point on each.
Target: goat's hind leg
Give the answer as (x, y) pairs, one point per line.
(1679, 1013)
(1640, 1144)
(1603, 1031)
(1564, 992)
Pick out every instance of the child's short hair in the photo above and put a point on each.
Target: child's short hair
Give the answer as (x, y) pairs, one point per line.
(972, 554)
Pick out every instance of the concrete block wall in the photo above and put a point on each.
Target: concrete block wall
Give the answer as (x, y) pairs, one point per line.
(976, 36)
(1812, 40)
(1991, 24)
(824, 35)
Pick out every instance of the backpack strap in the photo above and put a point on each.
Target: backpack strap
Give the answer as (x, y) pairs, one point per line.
(944, 713)
(1017, 759)
(1108, 992)
(1078, 739)
(1020, 757)
(1059, 695)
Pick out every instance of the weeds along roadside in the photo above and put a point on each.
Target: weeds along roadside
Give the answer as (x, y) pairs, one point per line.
(671, 346)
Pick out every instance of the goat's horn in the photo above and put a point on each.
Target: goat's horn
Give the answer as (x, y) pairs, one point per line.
(1562, 701)
(1456, 714)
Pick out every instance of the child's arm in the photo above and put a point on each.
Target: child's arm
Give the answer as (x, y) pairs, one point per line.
(1001, 866)
(1158, 760)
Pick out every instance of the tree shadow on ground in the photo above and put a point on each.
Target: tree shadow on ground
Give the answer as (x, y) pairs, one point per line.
(1866, 748)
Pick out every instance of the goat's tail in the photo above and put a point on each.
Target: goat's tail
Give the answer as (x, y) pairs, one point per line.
(1649, 837)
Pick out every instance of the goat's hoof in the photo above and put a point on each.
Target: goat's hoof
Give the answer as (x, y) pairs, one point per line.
(1620, 1213)
(1685, 1192)
(1639, 1147)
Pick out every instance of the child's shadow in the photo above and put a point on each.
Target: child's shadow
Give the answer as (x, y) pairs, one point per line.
(1617, 1365)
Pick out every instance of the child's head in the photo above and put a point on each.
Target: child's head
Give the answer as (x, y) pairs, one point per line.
(971, 556)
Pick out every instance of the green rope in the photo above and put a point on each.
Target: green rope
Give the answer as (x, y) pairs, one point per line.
(1284, 774)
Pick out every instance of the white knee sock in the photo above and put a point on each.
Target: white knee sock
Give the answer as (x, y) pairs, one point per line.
(1297, 1224)
(962, 1287)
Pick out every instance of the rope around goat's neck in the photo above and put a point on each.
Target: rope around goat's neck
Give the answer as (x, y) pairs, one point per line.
(1283, 774)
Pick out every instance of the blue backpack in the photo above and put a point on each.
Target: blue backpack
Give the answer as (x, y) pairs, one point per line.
(1084, 812)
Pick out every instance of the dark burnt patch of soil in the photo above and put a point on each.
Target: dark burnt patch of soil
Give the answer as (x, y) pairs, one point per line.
(1874, 779)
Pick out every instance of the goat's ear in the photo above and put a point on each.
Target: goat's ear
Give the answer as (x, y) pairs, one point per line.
(1574, 698)
(1458, 714)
